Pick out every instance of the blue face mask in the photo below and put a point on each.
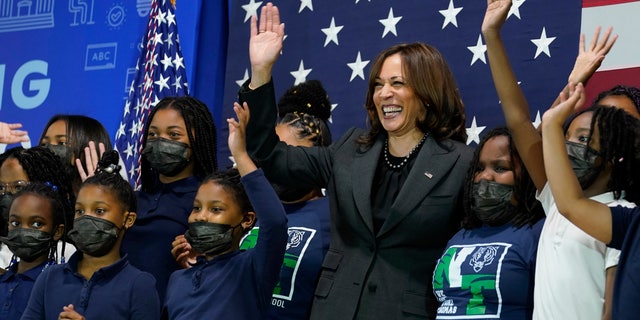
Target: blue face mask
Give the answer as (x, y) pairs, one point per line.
(584, 163)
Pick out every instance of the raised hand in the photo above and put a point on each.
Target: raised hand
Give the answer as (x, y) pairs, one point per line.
(9, 133)
(91, 158)
(590, 59)
(265, 44)
(569, 104)
(495, 15)
(237, 142)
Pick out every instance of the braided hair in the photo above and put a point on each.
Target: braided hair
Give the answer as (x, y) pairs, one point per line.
(528, 208)
(42, 165)
(230, 181)
(307, 108)
(619, 146)
(199, 123)
(107, 176)
(632, 93)
(59, 205)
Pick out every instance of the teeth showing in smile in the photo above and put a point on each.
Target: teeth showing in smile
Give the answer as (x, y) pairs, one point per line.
(391, 110)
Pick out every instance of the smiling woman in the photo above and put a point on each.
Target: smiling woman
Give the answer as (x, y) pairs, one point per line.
(395, 215)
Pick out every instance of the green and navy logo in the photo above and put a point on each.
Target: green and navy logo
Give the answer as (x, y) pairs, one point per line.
(299, 240)
(466, 281)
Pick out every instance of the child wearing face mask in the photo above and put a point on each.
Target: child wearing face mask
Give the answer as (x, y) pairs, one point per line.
(303, 111)
(18, 168)
(36, 223)
(616, 226)
(68, 135)
(97, 281)
(225, 282)
(179, 150)
(574, 271)
(494, 255)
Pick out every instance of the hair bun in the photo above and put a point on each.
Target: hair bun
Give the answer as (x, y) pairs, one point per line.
(109, 162)
(308, 97)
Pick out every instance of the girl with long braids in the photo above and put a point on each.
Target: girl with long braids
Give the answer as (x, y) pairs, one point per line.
(97, 281)
(36, 223)
(179, 150)
(616, 135)
(499, 238)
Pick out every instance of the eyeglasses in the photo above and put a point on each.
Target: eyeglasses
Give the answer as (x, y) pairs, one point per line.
(12, 187)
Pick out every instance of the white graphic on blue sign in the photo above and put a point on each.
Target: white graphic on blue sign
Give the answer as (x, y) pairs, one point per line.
(143, 7)
(101, 56)
(116, 16)
(25, 15)
(82, 12)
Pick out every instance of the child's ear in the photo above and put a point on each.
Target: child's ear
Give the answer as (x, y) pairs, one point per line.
(130, 218)
(59, 232)
(249, 220)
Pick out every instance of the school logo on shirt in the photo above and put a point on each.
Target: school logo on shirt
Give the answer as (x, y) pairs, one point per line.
(469, 274)
(299, 240)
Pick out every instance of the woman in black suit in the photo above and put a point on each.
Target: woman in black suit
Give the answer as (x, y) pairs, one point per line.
(394, 189)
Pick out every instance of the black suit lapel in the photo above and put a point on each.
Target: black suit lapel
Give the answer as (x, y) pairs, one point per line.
(364, 169)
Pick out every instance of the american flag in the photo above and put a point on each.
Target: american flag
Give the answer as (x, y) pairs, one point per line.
(336, 41)
(159, 72)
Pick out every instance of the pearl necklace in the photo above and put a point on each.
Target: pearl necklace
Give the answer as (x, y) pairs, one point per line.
(406, 158)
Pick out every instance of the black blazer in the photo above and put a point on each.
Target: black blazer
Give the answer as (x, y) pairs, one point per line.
(365, 275)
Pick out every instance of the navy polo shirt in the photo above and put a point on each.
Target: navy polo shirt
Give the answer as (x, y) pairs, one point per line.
(161, 216)
(119, 290)
(625, 235)
(15, 289)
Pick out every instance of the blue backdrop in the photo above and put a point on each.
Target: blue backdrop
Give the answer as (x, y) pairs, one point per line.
(77, 56)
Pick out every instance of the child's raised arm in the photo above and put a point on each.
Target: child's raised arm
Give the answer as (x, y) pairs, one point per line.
(591, 216)
(237, 142)
(514, 105)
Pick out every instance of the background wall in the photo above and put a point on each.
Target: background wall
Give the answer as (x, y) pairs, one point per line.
(75, 56)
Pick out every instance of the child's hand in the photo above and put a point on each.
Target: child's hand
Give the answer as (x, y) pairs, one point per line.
(91, 159)
(183, 253)
(556, 116)
(9, 133)
(495, 15)
(68, 313)
(589, 60)
(237, 142)
(237, 130)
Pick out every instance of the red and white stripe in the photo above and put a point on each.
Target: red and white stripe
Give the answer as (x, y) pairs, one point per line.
(622, 64)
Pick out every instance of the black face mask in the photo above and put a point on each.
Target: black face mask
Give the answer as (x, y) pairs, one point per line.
(583, 161)
(290, 194)
(62, 151)
(210, 238)
(94, 236)
(492, 202)
(168, 157)
(28, 244)
(5, 205)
